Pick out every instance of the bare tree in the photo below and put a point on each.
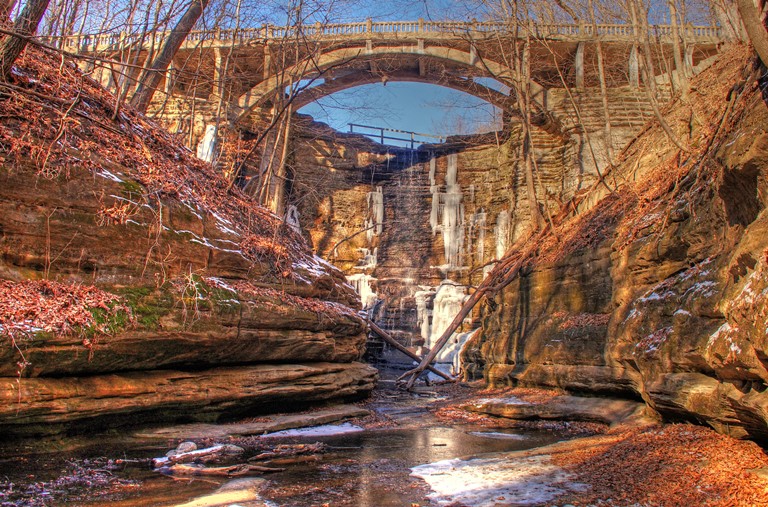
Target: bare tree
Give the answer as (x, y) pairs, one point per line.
(752, 16)
(25, 25)
(151, 76)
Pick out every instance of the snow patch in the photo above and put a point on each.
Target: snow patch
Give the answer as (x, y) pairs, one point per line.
(482, 482)
(316, 431)
(725, 329)
(108, 175)
(509, 400)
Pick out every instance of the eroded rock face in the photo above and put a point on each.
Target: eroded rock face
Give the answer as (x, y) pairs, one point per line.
(223, 308)
(673, 312)
(152, 396)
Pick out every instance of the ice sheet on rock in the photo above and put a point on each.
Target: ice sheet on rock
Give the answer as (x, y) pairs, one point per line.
(508, 400)
(498, 435)
(485, 482)
(316, 431)
(108, 175)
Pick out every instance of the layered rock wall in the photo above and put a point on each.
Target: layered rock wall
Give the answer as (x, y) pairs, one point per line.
(661, 294)
(218, 306)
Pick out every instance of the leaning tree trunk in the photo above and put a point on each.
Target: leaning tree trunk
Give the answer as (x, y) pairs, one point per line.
(755, 28)
(151, 76)
(25, 25)
(6, 6)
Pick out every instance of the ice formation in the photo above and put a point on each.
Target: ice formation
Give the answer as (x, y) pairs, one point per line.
(206, 148)
(447, 214)
(292, 218)
(362, 284)
(502, 233)
(453, 215)
(375, 223)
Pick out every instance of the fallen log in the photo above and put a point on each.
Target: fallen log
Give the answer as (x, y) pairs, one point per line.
(228, 471)
(207, 455)
(387, 338)
(288, 450)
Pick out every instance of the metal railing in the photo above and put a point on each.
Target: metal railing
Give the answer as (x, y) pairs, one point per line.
(444, 29)
(381, 137)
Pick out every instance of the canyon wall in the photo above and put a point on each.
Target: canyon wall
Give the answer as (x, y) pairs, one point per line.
(413, 229)
(211, 306)
(659, 292)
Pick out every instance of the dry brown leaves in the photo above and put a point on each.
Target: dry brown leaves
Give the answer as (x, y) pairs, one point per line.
(323, 309)
(678, 465)
(63, 122)
(579, 320)
(41, 305)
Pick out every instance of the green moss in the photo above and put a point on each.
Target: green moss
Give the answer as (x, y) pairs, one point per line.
(111, 321)
(198, 293)
(131, 187)
(148, 305)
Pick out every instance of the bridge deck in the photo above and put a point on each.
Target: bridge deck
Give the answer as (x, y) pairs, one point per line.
(419, 29)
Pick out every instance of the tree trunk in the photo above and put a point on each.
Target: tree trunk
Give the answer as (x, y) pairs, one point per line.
(6, 6)
(603, 88)
(678, 77)
(755, 28)
(25, 25)
(151, 76)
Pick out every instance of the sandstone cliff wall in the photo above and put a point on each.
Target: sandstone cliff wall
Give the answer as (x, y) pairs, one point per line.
(658, 292)
(221, 307)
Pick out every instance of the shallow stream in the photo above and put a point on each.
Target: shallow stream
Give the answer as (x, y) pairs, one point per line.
(362, 468)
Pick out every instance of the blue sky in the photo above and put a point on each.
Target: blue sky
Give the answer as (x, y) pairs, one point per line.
(417, 107)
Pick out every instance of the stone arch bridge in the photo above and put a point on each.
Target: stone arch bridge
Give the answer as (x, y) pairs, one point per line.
(242, 71)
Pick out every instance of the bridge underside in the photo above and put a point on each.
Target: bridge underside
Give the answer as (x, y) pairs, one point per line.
(242, 79)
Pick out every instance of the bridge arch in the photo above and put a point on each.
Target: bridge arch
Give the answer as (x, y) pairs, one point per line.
(361, 78)
(467, 61)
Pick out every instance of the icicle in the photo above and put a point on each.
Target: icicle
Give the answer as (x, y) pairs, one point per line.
(206, 148)
(453, 215)
(502, 233)
(369, 260)
(432, 167)
(478, 221)
(423, 313)
(375, 224)
(362, 284)
(447, 303)
(292, 218)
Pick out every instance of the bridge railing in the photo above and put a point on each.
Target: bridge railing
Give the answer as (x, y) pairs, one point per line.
(93, 42)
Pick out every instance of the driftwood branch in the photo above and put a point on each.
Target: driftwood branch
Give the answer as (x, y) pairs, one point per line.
(228, 471)
(387, 338)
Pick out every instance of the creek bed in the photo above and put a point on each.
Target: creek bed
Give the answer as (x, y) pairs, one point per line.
(361, 468)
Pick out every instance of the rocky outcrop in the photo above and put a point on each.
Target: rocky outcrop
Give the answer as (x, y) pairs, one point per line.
(134, 397)
(221, 307)
(659, 292)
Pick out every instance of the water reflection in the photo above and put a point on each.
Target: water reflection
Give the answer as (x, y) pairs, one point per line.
(363, 469)
(373, 468)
